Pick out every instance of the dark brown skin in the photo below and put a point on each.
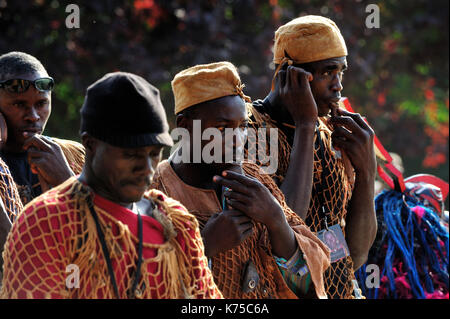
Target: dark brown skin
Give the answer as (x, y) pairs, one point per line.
(248, 200)
(293, 85)
(351, 135)
(354, 137)
(26, 115)
(5, 226)
(250, 196)
(121, 175)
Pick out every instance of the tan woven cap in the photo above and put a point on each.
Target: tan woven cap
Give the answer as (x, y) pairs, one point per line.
(205, 82)
(308, 39)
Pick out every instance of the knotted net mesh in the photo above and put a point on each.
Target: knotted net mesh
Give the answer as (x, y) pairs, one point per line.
(229, 267)
(337, 187)
(56, 230)
(8, 192)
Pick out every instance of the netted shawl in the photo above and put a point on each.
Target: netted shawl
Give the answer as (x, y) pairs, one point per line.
(56, 230)
(8, 192)
(338, 184)
(228, 267)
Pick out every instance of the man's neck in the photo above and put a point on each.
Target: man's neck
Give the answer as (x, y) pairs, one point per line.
(98, 189)
(11, 148)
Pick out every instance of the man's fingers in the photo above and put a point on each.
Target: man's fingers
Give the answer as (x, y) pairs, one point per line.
(237, 205)
(33, 152)
(234, 185)
(235, 195)
(291, 78)
(299, 77)
(343, 134)
(231, 212)
(37, 162)
(305, 76)
(38, 142)
(356, 117)
(241, 178)
(237, 215)
(45, 186)
(347, 122)
(342, 143)
(280, 79)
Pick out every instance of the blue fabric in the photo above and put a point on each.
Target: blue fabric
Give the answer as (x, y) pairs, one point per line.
(416, 242)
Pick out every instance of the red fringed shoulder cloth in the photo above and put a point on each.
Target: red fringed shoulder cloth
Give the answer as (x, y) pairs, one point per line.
(53, 249)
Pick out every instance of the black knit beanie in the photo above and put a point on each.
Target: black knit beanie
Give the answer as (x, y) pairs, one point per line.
(124, 110)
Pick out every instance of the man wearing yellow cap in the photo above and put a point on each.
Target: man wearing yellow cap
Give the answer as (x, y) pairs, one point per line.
(310, 58)
(257, 247)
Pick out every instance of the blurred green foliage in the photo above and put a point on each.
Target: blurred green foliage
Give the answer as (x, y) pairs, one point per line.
(397, 77)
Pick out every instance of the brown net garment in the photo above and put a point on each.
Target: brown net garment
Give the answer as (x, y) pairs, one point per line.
(338, 186)
(56, 230)
(74, 153)
(228, 267)
(8, 192)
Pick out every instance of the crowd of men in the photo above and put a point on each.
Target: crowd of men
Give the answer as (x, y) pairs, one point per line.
(188, 227)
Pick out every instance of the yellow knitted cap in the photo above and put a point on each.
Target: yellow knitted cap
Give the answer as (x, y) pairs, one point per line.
(205, 82)
(308, 39)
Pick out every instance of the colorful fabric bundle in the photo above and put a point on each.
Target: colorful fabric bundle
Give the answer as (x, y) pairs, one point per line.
(411, 251)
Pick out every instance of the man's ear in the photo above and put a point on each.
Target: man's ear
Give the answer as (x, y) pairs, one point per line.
(184, 122)
(89, 142)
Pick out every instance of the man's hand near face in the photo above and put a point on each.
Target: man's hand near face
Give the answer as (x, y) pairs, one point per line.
(47, 160)
(292, 91)
(355, 137)
(250, 197)
(225, 230)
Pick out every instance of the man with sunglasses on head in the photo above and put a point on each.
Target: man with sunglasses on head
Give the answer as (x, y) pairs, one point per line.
(37, 162)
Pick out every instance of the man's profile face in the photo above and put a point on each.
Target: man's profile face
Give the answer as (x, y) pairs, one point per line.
(326, 86)
(123, 174)
(25, 113)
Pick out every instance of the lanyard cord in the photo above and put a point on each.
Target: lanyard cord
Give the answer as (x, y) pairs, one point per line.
(139, 262)
(101, 237)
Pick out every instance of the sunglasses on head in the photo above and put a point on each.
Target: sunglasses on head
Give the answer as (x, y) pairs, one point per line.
(20, 86)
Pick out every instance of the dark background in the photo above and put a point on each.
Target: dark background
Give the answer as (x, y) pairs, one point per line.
(397, 77)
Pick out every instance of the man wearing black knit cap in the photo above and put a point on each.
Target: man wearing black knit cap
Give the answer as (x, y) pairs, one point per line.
(111, 126)
(106, 234)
